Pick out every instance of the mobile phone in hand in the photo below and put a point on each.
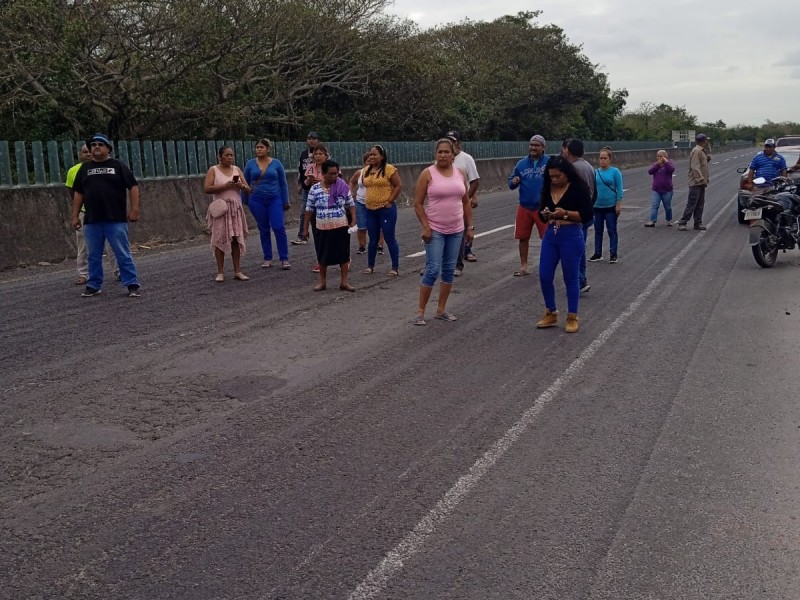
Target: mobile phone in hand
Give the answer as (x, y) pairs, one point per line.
(235, 179)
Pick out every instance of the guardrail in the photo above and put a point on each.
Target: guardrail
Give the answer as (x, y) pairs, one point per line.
(46, 163)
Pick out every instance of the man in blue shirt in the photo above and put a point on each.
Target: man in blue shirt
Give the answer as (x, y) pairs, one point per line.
(528, 176)
(767, 164)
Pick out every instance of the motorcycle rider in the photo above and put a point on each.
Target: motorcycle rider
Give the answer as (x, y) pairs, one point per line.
(767, 164)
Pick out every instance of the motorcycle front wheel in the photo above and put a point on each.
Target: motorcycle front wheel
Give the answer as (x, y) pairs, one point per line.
(766, 250)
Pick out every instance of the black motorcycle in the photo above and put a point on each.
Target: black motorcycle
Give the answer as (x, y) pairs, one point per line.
(774, 219)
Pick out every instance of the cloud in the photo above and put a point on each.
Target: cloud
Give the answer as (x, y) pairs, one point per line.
(791, 59)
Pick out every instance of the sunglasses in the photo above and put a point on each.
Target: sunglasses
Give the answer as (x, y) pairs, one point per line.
(96, 144)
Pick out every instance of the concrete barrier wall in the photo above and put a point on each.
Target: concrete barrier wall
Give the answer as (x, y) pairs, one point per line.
(36, 220)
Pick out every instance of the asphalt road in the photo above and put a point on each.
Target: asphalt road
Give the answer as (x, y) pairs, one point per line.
(257, 440)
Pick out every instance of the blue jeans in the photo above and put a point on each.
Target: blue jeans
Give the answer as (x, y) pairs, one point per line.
(585, 228)
(656, 199)
(382, 220)
(565, 244)
(361, 216)
(441, 254)
(605, 217)
(269, 216)
(116, 234)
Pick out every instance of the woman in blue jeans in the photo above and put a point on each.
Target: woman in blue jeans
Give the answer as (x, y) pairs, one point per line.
(268, 199)
(565, 204)
(382, 185)
(607, 206)
(444, 219)
(661, 192)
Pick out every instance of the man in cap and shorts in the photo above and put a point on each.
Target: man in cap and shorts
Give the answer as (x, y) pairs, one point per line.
(528, 176)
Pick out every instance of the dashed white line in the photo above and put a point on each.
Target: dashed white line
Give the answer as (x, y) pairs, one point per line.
(412, 543)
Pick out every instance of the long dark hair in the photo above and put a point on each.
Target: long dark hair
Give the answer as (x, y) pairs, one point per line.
(565, 166)
(381, 171)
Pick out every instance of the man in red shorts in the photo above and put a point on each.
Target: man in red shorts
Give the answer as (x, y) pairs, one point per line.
(529, 176)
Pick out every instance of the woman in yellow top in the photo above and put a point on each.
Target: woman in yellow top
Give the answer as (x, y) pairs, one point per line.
(382, 184)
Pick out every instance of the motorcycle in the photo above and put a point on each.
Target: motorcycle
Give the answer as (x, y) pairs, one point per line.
(774, 219)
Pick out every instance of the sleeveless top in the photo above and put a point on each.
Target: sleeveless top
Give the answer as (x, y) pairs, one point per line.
(445, 208)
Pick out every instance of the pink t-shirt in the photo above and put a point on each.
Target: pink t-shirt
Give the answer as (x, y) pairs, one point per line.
(445, 210)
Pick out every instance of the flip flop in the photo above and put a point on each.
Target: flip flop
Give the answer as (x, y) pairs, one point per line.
(393, 273)
(347, 288)
(267, 264)
(521, 273)
(446, 316)
(419, 320)
(369, 271)
(285, 265)
(81, 280)
(471, 258)
(319, 287)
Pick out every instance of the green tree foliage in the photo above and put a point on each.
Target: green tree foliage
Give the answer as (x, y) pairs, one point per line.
(225, 68)
(656, 122)
(653, 122)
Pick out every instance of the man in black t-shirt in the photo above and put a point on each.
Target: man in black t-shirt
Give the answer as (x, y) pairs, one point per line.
(306, 159)
(102, 186)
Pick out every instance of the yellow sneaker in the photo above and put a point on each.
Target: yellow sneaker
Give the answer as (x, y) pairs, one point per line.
(550, 319)
(572, 323)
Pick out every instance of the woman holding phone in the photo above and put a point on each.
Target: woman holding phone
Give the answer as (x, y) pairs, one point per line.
(268, 200)
(228, 230)
(565, 204)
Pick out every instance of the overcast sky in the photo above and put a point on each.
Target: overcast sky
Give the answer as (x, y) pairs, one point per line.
(734, 60)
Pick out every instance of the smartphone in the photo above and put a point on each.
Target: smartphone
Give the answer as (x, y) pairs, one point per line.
(235, 179)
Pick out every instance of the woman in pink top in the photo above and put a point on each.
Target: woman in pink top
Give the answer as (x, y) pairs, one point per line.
(228, 232)
(444, 220)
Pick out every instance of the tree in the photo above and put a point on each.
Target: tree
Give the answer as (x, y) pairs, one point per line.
(163, 66)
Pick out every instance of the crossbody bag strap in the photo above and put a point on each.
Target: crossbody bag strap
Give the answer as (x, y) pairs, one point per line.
(612, 188)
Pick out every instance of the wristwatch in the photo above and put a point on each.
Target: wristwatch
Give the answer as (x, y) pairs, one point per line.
(471, 227)
(566, 216)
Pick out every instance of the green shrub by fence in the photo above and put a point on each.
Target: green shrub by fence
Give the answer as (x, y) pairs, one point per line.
(38, 163)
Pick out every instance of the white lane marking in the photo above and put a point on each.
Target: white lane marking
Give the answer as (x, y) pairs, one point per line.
(413, 542)
(495, 230)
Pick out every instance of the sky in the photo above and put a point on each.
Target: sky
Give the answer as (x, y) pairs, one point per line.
(736, 61)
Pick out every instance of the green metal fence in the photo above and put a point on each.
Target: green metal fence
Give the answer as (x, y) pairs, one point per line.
(46, 163)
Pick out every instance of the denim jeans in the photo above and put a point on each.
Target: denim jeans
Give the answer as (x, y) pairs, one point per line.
(605, 217)
(383, 220)
(565, 244)
(441, 254)
(585, 228)
(116, 234)
(361, 216)
(269, 217)
(82, 261)
(658, 198)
